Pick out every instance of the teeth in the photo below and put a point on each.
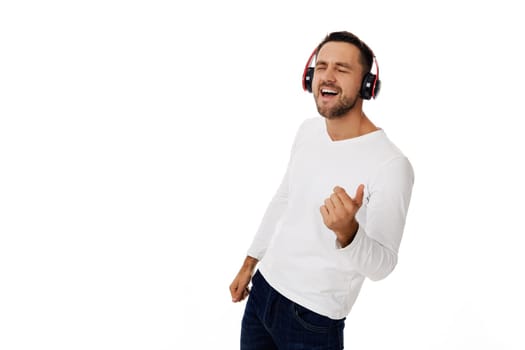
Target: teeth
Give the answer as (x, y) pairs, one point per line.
(327, 91)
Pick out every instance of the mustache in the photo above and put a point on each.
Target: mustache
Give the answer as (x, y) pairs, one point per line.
(329, 85)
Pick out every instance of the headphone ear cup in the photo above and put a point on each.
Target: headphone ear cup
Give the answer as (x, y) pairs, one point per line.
(368, 86)
(308, 79)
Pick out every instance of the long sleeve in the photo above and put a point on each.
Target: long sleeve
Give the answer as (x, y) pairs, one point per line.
(275, 210)
(373, 252)
(270, 220)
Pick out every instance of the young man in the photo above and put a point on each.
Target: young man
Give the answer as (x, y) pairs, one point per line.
(337, 217)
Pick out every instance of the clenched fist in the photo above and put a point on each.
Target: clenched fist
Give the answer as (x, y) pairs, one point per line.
(339, 212)
(239, 287)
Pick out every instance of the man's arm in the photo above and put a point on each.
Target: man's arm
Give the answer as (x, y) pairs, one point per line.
(372, 251)
(272, 216)
(239, 287)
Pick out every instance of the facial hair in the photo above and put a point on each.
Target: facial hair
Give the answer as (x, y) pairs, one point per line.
(343, 105)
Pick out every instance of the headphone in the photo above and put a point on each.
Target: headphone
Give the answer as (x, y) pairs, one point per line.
(370, 85)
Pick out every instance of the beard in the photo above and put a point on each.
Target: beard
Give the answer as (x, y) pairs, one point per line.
(343, 105)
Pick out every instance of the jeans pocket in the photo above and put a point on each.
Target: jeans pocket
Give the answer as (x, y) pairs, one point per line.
(312, 321)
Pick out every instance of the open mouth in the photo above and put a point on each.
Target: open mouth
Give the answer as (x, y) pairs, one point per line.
(328, 92)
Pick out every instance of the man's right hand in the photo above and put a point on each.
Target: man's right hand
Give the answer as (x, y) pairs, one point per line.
(239, 287)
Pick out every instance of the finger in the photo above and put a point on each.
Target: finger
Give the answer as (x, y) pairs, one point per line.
(324, 212)
(329, 204)
(336, 200)
(235, 297)
(344, 197)
(359, 193)
(235, 292)
(245, 293)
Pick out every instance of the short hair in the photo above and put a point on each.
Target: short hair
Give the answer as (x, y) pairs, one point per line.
(366, 57)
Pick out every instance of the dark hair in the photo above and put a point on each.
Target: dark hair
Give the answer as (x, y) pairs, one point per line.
(367, 56)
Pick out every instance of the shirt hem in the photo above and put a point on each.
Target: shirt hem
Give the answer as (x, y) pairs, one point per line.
(298, 300)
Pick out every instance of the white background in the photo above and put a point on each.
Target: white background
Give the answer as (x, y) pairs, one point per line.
(140, 142)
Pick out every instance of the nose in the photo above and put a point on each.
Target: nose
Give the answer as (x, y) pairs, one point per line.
(328, 75)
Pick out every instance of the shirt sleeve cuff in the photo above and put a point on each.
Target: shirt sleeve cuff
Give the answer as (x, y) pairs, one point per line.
(355, 242)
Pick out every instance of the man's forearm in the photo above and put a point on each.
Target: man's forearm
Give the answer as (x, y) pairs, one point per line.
(249, 263)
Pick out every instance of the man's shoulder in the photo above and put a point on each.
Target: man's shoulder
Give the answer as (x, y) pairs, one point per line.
(388, 145)
(390, 156)
(310, 124)
(382, 150)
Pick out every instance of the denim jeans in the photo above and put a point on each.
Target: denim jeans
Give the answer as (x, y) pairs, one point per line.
(272, 321)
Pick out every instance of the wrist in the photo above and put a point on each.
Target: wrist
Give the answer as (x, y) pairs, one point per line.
(345, 238)
(249, 263)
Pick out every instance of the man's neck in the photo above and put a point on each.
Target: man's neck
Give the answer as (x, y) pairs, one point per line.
(349, 126)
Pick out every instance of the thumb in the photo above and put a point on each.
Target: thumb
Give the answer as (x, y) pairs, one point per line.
(359, 193)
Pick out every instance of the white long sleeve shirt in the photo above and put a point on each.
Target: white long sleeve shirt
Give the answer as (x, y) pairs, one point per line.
(299, 256)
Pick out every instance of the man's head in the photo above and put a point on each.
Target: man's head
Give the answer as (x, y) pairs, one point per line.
(342, 61)
(367, 56)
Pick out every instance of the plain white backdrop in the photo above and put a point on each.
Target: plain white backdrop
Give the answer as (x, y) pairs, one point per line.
(140, 143)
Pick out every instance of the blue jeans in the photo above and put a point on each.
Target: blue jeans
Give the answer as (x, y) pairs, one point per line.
(272, 321)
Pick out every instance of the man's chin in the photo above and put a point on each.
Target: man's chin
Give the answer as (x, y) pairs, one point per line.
(330, 114)
(335, 112)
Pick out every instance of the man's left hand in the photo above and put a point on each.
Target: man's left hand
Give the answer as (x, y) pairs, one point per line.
(339, 212)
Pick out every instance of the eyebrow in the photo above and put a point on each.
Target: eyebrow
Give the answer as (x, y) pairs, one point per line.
(340, 64)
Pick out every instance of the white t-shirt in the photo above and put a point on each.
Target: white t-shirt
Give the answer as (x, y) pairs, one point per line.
(299, 256)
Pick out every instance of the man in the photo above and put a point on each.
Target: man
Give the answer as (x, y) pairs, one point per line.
(337, 217)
